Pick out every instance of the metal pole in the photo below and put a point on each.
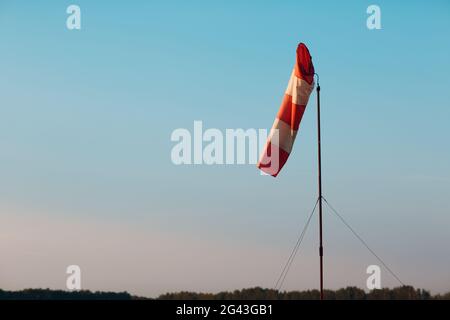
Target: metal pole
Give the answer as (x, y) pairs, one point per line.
(320, 190)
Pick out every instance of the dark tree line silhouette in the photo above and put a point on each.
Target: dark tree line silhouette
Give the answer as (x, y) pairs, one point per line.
(349, 293)
(47, 294)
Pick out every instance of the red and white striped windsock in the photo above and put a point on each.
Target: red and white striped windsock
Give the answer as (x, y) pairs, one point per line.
(284, 130)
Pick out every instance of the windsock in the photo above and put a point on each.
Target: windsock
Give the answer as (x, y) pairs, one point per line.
(284, 130)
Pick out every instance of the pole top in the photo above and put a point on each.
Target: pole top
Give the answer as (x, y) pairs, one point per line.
(318, 82)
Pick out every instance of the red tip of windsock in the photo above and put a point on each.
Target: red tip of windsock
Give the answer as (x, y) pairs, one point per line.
(304, 68)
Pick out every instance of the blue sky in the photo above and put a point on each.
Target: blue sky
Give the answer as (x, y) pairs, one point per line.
(86, 118)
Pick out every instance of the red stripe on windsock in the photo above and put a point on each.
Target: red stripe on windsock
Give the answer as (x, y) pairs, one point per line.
(290, 112)
(272, 165)
(284, 130)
